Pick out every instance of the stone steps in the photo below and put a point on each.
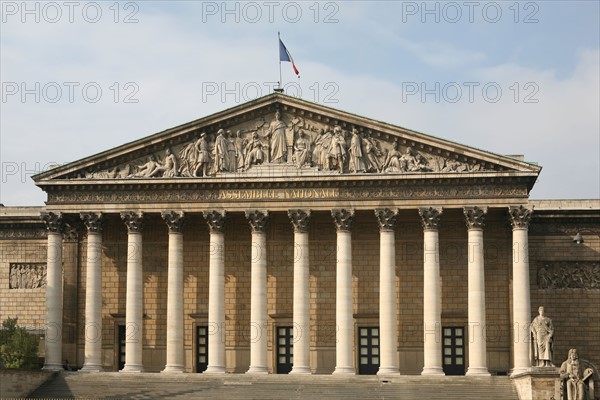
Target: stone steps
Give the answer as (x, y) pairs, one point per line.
(116, 385)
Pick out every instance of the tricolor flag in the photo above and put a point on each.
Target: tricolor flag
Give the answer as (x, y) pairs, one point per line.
(284, 55)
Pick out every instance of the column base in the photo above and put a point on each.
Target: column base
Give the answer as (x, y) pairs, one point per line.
(52, 367)
(132, 368)
(215, 369)
(388, 371)
(89, 367)
(257, 370)
(478, 371)
(518, 371)
(433, 371)
(344, 371)
(300, 370)
(175, 369)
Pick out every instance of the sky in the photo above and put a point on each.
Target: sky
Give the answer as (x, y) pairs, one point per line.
(508, 77)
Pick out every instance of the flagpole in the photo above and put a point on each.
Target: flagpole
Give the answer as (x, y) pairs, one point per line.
(279, 89)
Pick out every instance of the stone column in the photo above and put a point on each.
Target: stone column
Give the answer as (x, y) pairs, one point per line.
(521, 302)
(432, 303)
(93, 293)
(344, 360)
(475, 219)
(300, 220)
(175, 350)
(54, 292)
(216, 292)
(134, 301)
(258, 288)
(388, 320)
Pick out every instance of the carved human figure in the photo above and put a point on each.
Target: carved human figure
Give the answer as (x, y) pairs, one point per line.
(221, 161)
(203, 156)
(321, 157)
(575, 374)
(146, 170)
(254, 151)
(231, 150)
(412, 161)
(188, 156)
(239, 150)
(337, 151)
(301, 150)
(166, 169)
(356, 163)
(372, 154)
(276, 133)
(542, 332)
(392, 160)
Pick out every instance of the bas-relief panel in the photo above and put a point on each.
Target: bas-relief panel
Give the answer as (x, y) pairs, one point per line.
(27, 276)
(284, 139)
(569, 275)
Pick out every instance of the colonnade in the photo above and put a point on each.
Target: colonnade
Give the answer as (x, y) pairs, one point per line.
(300, 219)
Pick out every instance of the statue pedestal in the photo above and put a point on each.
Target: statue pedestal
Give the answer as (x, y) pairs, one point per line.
(538, 383)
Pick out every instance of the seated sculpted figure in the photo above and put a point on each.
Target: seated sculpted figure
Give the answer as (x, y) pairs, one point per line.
(254, 151)
(576, 377)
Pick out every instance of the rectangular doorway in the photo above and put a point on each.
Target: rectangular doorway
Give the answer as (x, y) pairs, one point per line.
(453, 350)
(201, 348)
(121, 351)
(285, 349)
(368, 350)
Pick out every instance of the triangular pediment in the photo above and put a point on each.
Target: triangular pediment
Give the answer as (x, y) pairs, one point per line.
(282, 136)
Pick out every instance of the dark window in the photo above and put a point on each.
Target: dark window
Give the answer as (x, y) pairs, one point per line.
(121, 340)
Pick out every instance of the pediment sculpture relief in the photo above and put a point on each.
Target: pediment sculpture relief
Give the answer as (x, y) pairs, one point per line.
(310, 146)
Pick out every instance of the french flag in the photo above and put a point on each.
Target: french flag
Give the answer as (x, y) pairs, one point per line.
(284, 55)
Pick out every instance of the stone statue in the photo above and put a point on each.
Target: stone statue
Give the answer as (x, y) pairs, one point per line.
(232, 166)
(356, 163)
(276, 133)
(221, 161)
(254, 151)
(301, 150)
(240, 144)
(372, 154)
(392, 160)
(321, 149)
(203, 158)
(169, 168)
(542, 332)
(337, 151)
(148, 169)
(575, 374)
(412, 161)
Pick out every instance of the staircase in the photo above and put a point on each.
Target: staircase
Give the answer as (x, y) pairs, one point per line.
(114, 385)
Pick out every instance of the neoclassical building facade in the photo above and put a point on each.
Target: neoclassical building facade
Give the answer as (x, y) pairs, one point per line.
(282, 236)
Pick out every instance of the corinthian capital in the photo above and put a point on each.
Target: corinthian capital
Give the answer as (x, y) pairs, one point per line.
(258, 220)
(475, 217)
(92, 221)
(133, 221)
(54, 222)
(342, 218)
(215, 220)
(300, 219)
(430, 217)
(174, 220)
(519, 216)
(386, 218)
